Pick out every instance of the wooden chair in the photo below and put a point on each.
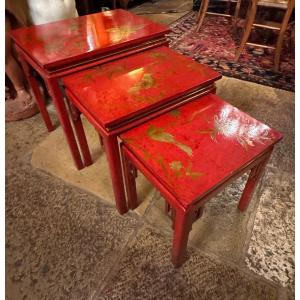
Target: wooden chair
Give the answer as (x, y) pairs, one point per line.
(287, 5)
(203, 11)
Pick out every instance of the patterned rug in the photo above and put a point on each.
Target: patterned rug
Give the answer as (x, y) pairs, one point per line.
(215, 45)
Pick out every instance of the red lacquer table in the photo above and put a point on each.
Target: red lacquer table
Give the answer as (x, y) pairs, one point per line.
(193, 152)
(60, 48)
(125, 93)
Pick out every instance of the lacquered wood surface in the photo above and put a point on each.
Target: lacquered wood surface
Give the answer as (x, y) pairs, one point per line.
(123, 89)
(70, 40)
(197, 146)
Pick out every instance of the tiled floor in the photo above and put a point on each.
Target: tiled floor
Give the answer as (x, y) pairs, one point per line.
(65, 240)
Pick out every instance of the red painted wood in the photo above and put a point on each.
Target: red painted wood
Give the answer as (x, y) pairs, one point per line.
(124, 89)
(114, 161)
(193, 152)
(182, 224)
(129, 178)
(36, 91)
(56, 49)
(60, 43)
(254, 176)
(79, 130)
(62, 114)
(199, 146)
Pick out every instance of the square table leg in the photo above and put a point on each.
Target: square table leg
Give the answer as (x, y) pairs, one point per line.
(58, 101)
(79, 130)
(111, 147)
(112, 151)
(129, 178)
(254, 176)
(182, 226)
(36, 92)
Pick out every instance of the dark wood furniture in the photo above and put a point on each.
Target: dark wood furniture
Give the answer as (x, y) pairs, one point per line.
(285, 5)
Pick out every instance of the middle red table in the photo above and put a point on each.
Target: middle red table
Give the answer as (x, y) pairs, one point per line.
(127, 92)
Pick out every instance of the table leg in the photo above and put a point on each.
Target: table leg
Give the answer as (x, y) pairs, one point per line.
(114, 161)
(129, 178)
(183, 226)
(58, 101)
(254, 176)
(81, 137)
(36, 92)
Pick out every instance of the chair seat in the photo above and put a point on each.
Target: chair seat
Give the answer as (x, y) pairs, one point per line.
(273, 3)
(199, 145)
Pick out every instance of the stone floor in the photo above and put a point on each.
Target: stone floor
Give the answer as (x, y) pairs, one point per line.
(65, 240)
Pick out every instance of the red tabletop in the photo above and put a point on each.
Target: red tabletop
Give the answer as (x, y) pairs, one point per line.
(67, 41)
(200, 144)
(123, 89)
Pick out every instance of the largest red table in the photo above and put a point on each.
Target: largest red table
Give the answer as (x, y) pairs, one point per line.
(56, 49)
(125, 93)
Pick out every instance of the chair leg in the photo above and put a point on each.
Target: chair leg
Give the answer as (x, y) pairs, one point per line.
(250, 21)
(202, 12)
(283, 28)
(253, 179)
(129, 179)
(237, 12)
(228, 7)
(183, 226)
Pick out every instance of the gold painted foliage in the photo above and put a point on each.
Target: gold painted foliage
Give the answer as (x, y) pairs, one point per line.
(159, 134)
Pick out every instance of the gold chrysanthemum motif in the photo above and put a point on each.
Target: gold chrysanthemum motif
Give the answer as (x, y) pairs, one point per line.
(246, 135)
(176, 165)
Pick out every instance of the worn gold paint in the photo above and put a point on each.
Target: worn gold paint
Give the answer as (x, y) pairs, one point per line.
(147, 81)
(159, 55)
(54, 47)
(158, 134)
(123, 32)
(198, 112)
(175, 113)
(175, 167)
(191, 173)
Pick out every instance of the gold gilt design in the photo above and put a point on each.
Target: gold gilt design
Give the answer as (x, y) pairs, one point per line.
(54, 47)
(110, 72)
(198, 112)
(171, 169)
(231, 128)
(123, 32)
(195, 67)
(159, 55)
(146, 82)
(74, 27)
(175, 113)
(180, 170)
(159, 134)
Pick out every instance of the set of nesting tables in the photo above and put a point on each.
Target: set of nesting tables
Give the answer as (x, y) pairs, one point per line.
(154, 109)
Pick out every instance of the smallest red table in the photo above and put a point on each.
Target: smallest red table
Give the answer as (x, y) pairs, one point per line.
(191, 153)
